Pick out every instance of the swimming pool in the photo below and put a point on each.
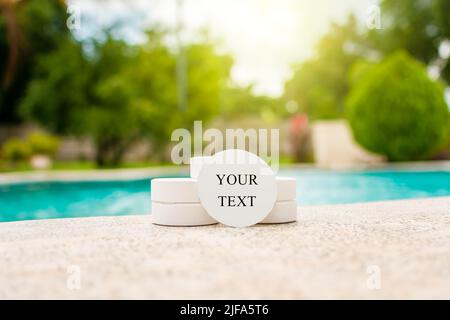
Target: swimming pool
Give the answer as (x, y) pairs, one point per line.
(44, 200)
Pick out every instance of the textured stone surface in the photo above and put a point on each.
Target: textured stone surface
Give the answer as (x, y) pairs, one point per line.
(324, 255)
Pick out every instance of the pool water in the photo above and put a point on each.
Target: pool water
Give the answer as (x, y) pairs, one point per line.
(46, 200)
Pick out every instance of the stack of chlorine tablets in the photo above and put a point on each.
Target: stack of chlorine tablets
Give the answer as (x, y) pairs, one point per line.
(175, 201)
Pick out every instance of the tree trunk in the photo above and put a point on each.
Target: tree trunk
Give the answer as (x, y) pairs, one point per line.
(110, 151)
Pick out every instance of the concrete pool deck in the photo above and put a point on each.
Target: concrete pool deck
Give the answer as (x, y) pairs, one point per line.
(393, 249)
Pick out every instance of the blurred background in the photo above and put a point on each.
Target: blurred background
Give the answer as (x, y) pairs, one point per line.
(358, 88)
(91, 91)
(87, 84)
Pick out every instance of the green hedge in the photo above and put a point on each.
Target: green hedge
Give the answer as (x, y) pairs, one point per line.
(17, 149)
(395, 109)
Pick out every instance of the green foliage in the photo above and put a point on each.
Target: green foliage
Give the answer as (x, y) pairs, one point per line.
(407, 24)
(50, 16)
(142, 102)
(441, 9)
(117, 93)
(318, 85)
(88, 96)
(416, 26)
(396, 110)
(241, 102)
(42, 143)
(16, 149)
(208, 76)
(29, 29)
(59, 90)
(120, 93)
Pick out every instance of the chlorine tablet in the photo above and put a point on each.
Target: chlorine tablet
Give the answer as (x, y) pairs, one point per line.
(237, 188)
(180, 214)
(287, 188)
(282, 212)
(174, 190)
(196, 164)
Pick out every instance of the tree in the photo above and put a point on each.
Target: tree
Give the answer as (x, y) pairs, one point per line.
(441, 12)
(74, 93)
(441, 9)
(22, 43)
(118, 93)
(319, 85)
(137, 100)
(150, 89)
(235, 98)
(60, 89)
(417, 26)
(396, 110)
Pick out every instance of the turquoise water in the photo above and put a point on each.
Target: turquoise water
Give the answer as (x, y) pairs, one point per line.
(99, 198)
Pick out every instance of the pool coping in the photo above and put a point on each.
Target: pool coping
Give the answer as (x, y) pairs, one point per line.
(331, 252)
(90, 175)
(141, 173)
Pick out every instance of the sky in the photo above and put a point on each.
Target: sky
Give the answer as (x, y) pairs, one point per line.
(265, 37)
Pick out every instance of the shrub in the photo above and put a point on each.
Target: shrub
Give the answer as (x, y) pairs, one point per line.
(15, 150)
(41, 143)
(396, 110)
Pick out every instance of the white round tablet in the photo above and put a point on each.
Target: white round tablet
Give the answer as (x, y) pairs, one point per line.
(282, 212)
(237, 188)
(196, 164)
(174, 190)
(180, 214)
(287, 188)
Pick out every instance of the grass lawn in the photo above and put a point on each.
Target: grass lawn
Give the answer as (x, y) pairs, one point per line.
(78, 165)
(90, 165)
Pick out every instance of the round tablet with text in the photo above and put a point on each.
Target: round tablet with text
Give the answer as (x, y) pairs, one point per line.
(237, 188)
